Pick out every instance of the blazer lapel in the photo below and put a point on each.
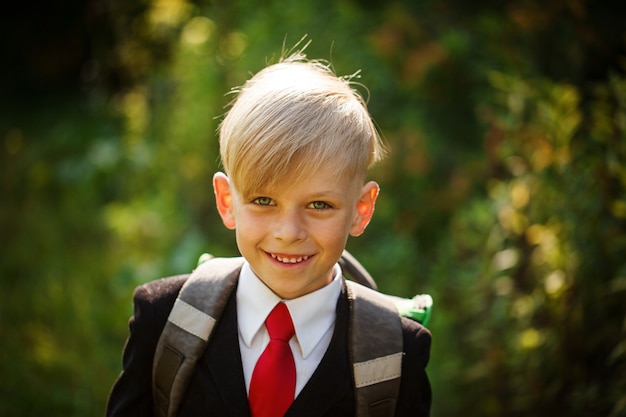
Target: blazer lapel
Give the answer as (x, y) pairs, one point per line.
(223, 360)
(332, 381)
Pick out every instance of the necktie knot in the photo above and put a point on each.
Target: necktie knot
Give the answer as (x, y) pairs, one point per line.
(279, 324)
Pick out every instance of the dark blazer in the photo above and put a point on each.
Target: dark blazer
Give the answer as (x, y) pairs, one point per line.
(217, 387)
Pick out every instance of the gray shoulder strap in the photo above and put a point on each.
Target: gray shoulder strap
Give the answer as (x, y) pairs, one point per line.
(376, 349)
(189, 326)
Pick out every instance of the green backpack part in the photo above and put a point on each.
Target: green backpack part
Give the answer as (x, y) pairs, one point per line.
(375, 338)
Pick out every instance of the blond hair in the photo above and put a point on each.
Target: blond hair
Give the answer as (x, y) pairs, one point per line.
(292, 119)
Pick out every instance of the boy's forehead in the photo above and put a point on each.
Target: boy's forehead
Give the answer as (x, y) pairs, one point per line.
(318, 182)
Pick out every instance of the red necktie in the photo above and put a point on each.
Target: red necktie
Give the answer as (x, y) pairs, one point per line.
(273, 382)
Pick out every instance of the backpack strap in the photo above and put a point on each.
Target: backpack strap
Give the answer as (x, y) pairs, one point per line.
(376, 350)
(357, 272)
(418, 308)
(188, 328)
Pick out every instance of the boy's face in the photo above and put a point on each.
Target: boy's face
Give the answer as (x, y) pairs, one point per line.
(293, 235)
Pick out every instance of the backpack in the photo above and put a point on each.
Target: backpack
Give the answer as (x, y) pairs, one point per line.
(376, 356)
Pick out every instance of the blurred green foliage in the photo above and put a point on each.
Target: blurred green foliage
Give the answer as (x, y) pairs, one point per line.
(504, 195)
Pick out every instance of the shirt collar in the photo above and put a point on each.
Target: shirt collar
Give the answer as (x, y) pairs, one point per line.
(313, 314)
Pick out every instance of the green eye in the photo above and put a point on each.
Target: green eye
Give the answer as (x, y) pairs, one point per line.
(319, 205)
(263, 201)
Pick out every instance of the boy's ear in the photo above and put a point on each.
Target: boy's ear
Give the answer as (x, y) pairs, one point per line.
(224, 199)
(364, 208)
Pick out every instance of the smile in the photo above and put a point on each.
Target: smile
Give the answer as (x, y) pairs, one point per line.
(288, 259)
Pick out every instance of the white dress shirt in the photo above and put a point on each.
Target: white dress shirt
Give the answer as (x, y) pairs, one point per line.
(313, 317)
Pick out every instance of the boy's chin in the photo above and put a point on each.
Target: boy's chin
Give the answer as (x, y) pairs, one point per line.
(288, 291)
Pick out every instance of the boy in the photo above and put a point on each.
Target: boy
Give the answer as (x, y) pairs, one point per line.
(296, 147)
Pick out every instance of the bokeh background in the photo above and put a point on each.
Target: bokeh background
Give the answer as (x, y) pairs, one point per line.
(504, 196)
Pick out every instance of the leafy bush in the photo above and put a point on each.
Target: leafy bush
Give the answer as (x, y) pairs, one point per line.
(504, 195)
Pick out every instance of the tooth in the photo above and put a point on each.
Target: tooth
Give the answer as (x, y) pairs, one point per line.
(288, 260)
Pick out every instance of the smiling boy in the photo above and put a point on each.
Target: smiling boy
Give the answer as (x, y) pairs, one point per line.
(296, 147)
(293, 235)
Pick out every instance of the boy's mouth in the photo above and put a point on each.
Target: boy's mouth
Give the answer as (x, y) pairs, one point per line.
(287, 259)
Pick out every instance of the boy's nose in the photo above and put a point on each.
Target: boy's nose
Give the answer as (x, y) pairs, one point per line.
(289, 227)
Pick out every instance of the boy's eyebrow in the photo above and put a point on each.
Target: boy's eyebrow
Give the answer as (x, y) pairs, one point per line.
(312, 196)
(328, 193)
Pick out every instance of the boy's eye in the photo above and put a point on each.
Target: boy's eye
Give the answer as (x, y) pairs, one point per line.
(319, 205)
(263, 201)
